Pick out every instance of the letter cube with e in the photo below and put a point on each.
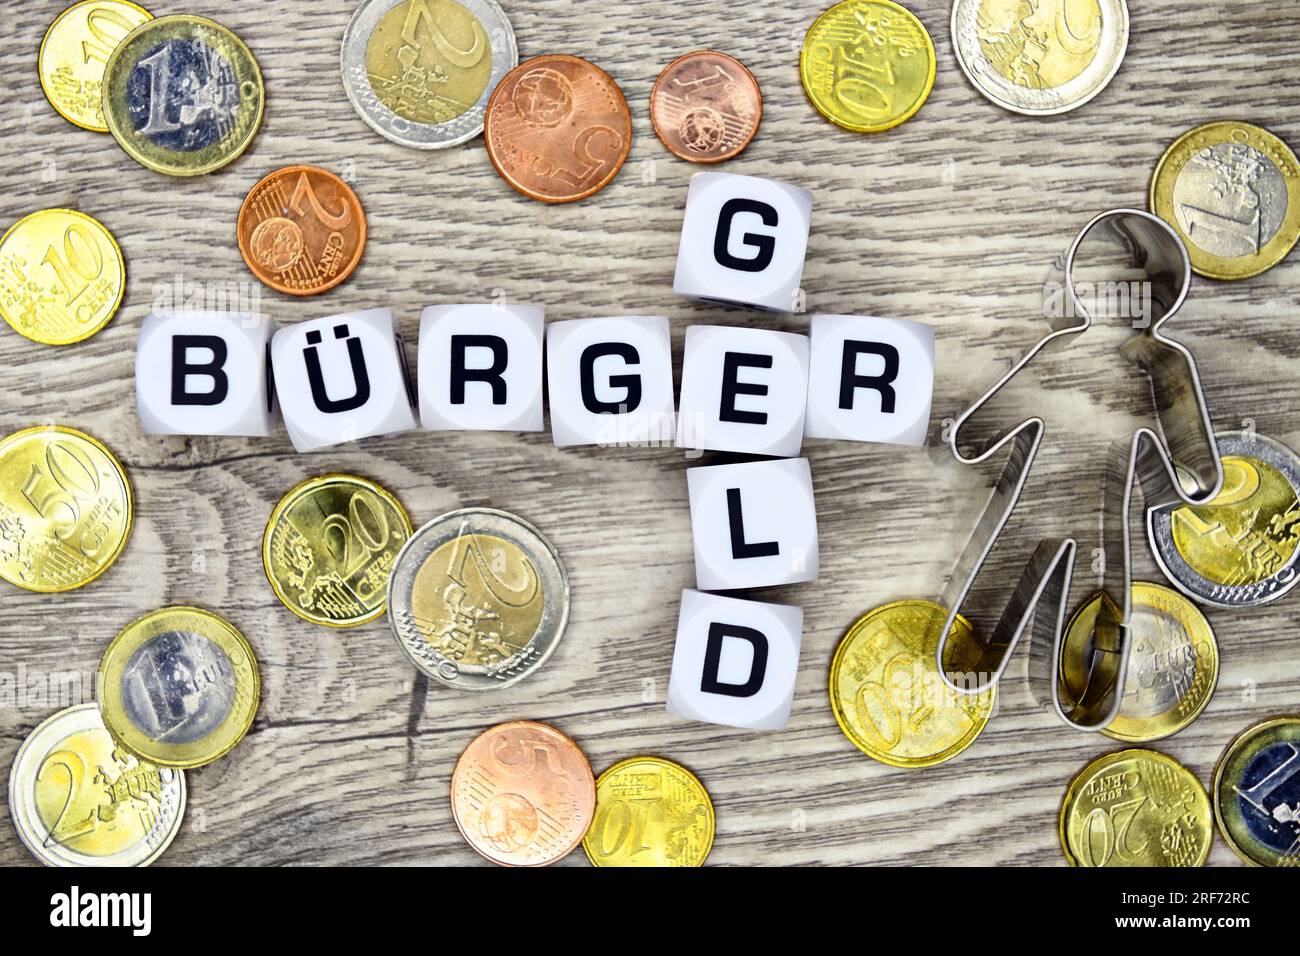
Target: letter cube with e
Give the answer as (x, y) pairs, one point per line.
(870, 379)
(743, 390)
(735, 661)
(743, 241)
(480, 368)
(611, 381)
(341, 378)
(754, 524)
(205, 373)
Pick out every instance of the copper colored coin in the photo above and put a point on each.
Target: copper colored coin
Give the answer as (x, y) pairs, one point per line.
(706, 106)
(523, 794)
(302, 230)
(557, 128)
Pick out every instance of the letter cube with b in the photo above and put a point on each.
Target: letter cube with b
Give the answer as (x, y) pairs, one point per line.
(611, 381)
(341, 378)
(735, 661)
(743, 241)
(205, 373)
(480, 368)
(870, 379)
(754, 524)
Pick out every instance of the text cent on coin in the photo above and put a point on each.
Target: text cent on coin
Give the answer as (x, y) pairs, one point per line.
(74, 53)
(705, 107)
(1257, 793)
(650, 812)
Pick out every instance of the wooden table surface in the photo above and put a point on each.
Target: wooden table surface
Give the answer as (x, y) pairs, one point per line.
(953, 219)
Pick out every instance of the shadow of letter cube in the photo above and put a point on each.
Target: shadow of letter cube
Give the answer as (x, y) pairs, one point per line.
(611, 381)
(735, 661)
(754, 524)
(341, 378)
(743, 241)
(743, 390)
(870, 379)
(205, 373)
(480, 368)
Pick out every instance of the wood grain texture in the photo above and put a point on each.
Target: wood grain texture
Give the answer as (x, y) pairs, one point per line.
(953, 219)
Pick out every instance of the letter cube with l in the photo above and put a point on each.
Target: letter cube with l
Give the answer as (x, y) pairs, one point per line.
(754, 524)
(205, 373)
(743, 241)
(611, 381)
(481, 368)
(341, 378)
(735, 661)
(870, 379)
(743, 390)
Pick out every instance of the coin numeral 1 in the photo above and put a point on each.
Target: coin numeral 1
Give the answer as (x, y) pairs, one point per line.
(99, 22)
(65, 498)
(80, 264)
(159, 65)
(1257, 794)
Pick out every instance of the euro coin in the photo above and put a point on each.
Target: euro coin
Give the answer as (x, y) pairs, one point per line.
(74, 53)
(1040, 58)
(65, 508)
(419, 72)
(888, 695)
(1257, 793)
(1136, 808)
(478, 599)
(62, 276)
(650, 812)
(179, 687)
(867, 65)
(522, 794)
(1240, 549)
(183, 95)
(329, 547)
(705, 107)
(1232, 193)
(1173, 664)
(79, 799)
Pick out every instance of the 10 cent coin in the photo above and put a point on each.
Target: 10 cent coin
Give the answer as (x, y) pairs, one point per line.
(74, 53)
(650, 812)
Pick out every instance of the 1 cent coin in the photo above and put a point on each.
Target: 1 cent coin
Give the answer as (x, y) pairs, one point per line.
(706, 107)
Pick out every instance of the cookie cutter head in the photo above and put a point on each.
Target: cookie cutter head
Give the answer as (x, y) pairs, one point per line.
(1174, 459)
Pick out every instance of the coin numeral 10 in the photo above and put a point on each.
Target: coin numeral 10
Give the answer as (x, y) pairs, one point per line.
(630, 818)
(107, 27)
(80, 264)
(76, 481)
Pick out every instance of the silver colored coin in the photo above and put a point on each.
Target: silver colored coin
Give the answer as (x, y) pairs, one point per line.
(1036, 60)
(478, 599)
(1230, 200)
(77, 799)
(1260, 546)
(374, 96)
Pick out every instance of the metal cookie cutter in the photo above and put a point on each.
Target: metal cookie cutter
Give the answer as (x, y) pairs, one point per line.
(1175, 460)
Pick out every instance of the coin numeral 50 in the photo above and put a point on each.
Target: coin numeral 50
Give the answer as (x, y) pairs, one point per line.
(76, 481)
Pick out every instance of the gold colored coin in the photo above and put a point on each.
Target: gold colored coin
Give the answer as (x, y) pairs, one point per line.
(650, 812)
(1136, 808)
(179, 687)
(62, 276)
(65, 509)
(74, 53)
(1232, 193)
(888, 695)
(1257, 793)
(329, 547)
(1173, 663)
(867, 65)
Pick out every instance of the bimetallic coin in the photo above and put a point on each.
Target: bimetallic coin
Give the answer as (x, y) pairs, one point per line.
(183, 95)
(478, 599)
(62, 276)
(650, 812)
(1173, 663)
(1240, 550)
(558, 128)
(1136, 808)
(1257, 793)
(867, 65)
(1040, 58)
(74, 53)
(329, 548)
(419, 72)
(78, 799)
(705, 107)
(179, 687)
(1232, 193)
(65, 509)
(302, 230)
(888, 695)
(523, 794)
